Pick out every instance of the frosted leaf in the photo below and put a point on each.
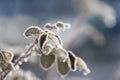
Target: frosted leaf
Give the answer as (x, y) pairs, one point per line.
(61, 53)
(83, 66)
(43, 39)
(33, 30)
(61, 25)
(54, 38)
(48, 26)
(46, 61)
(72, 61)
(62, 67)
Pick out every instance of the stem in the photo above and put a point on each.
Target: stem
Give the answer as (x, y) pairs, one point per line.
(27, 53)
(1, 77)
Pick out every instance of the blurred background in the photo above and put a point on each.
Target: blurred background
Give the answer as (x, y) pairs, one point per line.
(94, 35)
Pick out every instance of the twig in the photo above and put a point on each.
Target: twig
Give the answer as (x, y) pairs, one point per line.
(1, 77)
(27, 53)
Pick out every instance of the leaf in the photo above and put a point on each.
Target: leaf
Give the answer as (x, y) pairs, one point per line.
(43, 39)
(8, 55)
(54, 38)
(82, 65)
(46, 61)
(60, 24)
(33, 30)
(62, 67)
(48, 26)
(61, 53)
(72, 61)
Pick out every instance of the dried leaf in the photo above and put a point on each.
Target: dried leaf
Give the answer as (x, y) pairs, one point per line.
(62, 67)
(33, 30)
(72, 61)
(46, 61)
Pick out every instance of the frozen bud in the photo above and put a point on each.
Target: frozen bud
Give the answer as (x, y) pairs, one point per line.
(62, 68)
(8, 56)
(72, 61)
(33, 30)
(46, 61)
(83, 66)
(47, 49)
(61, 53)
(6, 66)
(48, 26)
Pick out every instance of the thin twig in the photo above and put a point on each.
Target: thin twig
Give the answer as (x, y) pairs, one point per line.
(27, 53)
(1, 77)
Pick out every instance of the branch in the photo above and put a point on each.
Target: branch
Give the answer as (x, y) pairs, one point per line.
(27, 54)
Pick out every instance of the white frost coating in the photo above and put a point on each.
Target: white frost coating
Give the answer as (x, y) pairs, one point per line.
(63, 26)
(83, 66)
